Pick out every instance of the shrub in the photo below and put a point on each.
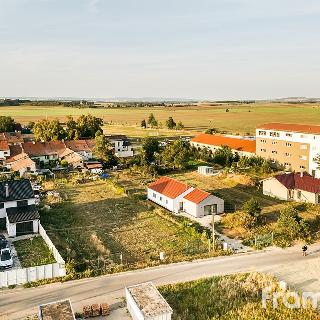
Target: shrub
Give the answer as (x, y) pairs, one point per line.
(240, 219)
(252, 207)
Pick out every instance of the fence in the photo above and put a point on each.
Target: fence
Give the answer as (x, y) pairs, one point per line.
(31, 274)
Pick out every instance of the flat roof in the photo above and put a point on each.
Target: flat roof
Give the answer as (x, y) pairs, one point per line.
(149, 299)
(291, 127)
(58, 310)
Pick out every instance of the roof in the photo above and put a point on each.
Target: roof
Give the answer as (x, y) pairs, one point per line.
(59, 310)
(4, 146)
(37, 149)
(291, 127)
(15, 150)
(79, 145)
(238, 144)
(22, 163)
(294, 180)
(20, 214)
(149, 300)
(96, 165)
(197, 196)
(169, 187)
(13, 137)
(16, 158)
(18, 190)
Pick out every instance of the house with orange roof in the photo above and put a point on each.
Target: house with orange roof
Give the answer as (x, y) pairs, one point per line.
(240, 145)
(177, 196)
(4, 150)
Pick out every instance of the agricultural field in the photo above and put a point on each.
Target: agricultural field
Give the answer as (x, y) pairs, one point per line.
(33, 252)
(233, 297)
(102, 229)
(240, 118)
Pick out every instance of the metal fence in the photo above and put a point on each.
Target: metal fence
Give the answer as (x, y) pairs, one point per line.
(31, 274)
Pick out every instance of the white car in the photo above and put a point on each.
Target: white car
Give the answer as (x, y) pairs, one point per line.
(5, 258)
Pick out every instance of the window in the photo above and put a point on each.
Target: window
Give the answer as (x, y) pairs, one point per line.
(1, 205)
(299, 194)
(263, 141)
(287, 154)
(160, 198)
(263, 150)
(303, 157)
(154, 195)
(22, 203)
(262, 133)
(274, 142)
(274, 151)
(303, 146)
(302, 136)
(288, 134)
(274, 134)
(288, 144)
(287, 164)
(167, 201)
(302, 167)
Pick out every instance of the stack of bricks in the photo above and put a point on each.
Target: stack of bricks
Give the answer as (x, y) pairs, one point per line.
(105, 311)
(95, 310)
(87, 311)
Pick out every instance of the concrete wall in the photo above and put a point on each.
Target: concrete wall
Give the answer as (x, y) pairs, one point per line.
(273, 188)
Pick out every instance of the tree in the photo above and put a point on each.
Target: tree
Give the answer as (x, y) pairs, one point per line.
(7, 124)
(88, 126)
(176, 155)
(179, 126)
(223, 156)
(152, 121)
(252, 207)
(46, 130)
(72, 132)
(150, 146)
(103, 149)
(170, 124)
(143, 124)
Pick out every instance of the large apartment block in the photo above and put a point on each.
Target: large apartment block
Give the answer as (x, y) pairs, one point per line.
(293, 145)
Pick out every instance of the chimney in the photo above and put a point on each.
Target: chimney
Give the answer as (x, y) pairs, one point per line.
(301, 174)
(7, 190)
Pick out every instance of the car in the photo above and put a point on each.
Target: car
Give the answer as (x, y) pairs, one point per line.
(6, 260)
(3, 242)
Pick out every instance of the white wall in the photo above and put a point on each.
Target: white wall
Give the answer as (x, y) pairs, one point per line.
(161, 199)
(4, 154)
(273, 188)
(176, 201)
(197, 210)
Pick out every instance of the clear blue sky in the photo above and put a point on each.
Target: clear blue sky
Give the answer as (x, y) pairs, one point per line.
(207, 49)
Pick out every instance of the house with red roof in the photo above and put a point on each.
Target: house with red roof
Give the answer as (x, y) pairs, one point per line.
(4, 150)
(240, 145)
(177, 196)
(293, 186)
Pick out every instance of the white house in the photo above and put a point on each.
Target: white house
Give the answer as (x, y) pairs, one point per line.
(293, 186)
(177, 196)
(4, 150)
(18, 211)
(121, 145)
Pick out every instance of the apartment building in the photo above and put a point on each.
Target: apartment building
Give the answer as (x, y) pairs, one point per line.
(293, 145)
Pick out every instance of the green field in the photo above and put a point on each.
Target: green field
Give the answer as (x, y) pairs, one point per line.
(234, 297)
(240, 119)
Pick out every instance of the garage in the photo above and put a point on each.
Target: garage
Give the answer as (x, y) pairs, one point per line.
(24, 228)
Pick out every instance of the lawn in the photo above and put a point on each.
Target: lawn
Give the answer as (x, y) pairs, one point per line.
(33, 252)
(233, 297)
(240, 119)
(98, 224)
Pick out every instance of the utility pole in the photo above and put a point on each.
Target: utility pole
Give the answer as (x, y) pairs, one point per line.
(213, 231)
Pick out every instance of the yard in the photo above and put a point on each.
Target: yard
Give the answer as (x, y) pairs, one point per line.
(33, 252)
(233, 297)
(102, 228)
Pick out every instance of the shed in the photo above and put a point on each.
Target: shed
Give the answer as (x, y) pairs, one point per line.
(205, 170)
(58, 310)
(145, 302)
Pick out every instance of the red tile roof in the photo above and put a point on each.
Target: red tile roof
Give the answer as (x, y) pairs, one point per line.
(291, 127)
(37, 149)
(15, 150)
(237, 144)
(23, 163)
(79, 145)
(169, 187)
(197, 196)
(4, 146)
(294, 180)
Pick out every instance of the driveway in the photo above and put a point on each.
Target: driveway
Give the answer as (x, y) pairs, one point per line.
(287, 264)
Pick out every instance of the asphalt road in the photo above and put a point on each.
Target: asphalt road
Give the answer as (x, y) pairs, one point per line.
(17, 303)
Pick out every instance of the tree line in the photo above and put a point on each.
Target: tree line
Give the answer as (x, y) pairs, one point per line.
(152, 122)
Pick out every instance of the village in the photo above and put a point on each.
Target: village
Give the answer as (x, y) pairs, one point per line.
(88, 206)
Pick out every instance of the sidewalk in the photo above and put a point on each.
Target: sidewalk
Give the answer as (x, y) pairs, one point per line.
(206, 221)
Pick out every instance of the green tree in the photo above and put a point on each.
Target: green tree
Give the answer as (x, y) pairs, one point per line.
(143, 124)
(152, 122)
(150, 146)
(7, 124)
(46, 130)
(88, 126)
(176, 155)
(179, 126)
(103, 149)
(72, 132)
(252, 207)
(223, 156)
(170, 124)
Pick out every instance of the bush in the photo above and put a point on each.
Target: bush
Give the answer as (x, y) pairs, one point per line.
(240, 219)
(252, 207)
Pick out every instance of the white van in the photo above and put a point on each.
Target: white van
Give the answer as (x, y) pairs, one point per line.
(5, 258)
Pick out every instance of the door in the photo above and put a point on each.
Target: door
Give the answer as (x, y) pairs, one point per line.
(24, 228)
(207, 210)
(180, 206)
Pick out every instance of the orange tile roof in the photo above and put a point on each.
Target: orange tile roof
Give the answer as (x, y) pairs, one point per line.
(78, 145)
(197, 196)
(23, 163)
(291, 127)
(4, 146)
(169, 187)
(35, 149)
(233, 143)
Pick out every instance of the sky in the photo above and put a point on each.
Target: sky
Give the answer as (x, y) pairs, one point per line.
(197, 49)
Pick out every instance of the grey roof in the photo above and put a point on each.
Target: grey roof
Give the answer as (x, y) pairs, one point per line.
(18, 190)
(21, 214)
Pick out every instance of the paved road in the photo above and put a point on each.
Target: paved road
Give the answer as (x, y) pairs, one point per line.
(17, 303)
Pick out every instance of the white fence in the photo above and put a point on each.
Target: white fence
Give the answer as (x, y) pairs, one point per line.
(48, 271)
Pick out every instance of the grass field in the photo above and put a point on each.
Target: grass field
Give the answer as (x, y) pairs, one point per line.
(97, 222)
(33, 252)
(240, 119)
(234, 297)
